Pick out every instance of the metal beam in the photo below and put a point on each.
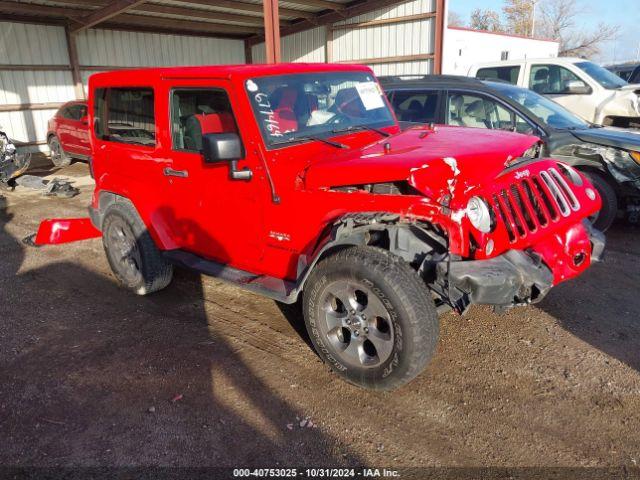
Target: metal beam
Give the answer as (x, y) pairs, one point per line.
(251, 7)
(399, 58)
(35, 68)
(105, 13)
(439, 34)
(176, 24)
(197, 14)
(17, 107)
(74, 64)
(324, 4)
(271, 31)
(384, 21)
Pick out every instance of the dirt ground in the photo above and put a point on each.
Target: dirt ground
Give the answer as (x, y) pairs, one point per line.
(204, 374)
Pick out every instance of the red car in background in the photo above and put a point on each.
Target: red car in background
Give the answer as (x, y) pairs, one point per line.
(68, 134)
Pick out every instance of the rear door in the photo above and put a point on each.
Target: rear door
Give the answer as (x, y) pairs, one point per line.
(211, 214)
(77, 130)
(417, 105)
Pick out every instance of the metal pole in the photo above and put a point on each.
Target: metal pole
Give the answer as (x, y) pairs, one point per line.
(271, 30)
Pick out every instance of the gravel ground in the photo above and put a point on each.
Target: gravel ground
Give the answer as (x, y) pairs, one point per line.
(204, 374)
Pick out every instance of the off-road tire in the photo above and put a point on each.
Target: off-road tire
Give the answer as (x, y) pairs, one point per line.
(408, 302)
(122, 225)
(57, 154)
(607, 214)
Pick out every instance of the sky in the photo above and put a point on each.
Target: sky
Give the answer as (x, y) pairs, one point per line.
(622, 13)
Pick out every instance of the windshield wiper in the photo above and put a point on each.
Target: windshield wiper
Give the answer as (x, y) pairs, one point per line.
(352, 128)
(306, 138)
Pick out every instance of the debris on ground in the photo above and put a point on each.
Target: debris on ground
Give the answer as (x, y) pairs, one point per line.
(302, 423)
(177, 398)
(151, 409)
(58, 187)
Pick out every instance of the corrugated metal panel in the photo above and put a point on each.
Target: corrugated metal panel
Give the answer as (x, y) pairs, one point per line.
(307, 46)
(405, 38)
(403, 68)
(402, 10)
(27, 44)
(132, 49)
(26, 126)
(397, 39)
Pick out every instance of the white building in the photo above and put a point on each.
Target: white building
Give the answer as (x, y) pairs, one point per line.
(464, 47)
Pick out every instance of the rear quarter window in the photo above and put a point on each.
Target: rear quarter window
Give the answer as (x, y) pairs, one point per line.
(506, 74)
(125, 115)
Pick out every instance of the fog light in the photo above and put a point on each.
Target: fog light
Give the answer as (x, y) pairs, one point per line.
(579, 259)
(590, 193)
(489, 248)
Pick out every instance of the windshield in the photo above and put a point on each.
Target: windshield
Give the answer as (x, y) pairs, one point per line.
(547, 111)
(601, 75)
(303, 106)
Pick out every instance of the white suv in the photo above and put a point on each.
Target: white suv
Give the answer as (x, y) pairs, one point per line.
(585, 88)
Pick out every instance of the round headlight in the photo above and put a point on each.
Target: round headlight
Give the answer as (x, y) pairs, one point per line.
(479, 214)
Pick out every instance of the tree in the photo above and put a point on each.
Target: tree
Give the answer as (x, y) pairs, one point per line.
(487, 19)
(519, 16)
(455, 19)
(558, 21)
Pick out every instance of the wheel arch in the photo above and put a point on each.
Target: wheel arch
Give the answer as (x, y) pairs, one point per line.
(107, 198)
(383, 230)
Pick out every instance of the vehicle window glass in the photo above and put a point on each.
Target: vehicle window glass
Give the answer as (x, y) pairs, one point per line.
(601, 75)
(547, 111)
(82, 111)
(476, 111)
(195, 112)
(551, 79)
(290, 108)
(415, 106)
(125, 115)
(75, 112)
(506, 74)
(65, 113)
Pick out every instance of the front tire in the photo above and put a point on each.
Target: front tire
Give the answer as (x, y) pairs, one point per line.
(370, 317)
(58, 156)
(132, 254)
(603, 219)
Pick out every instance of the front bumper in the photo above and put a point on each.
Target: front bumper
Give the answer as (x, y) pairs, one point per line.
(517, 277)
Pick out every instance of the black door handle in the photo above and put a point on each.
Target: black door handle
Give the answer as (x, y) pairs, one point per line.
(170, 172)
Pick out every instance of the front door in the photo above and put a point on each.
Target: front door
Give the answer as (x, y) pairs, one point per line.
(554, 81)
(213, 215)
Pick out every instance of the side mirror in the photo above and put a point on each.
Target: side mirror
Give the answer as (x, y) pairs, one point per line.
(225, 147)
(577, 87)
(85, 120)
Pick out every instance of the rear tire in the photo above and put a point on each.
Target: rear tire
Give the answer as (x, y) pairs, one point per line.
(132, 254)
(603, 219)
(370, 317)
(58, 156)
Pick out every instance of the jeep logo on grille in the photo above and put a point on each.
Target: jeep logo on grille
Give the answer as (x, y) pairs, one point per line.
(523, 174)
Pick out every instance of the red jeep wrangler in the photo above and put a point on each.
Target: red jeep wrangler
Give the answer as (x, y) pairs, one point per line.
(295, 182)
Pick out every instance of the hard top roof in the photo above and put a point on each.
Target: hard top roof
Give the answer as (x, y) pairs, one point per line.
(222, 71)
(400, 81)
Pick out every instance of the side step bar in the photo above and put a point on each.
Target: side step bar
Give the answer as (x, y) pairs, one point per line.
(271, 287)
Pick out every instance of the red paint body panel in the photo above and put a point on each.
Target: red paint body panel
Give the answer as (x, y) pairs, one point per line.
(73, 133)
(237, 223)
(55, 231)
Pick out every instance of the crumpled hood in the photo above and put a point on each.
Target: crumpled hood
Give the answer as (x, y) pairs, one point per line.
(627, 139)
(432, 161)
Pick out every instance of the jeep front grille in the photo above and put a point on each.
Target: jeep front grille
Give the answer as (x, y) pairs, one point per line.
(534, 202)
